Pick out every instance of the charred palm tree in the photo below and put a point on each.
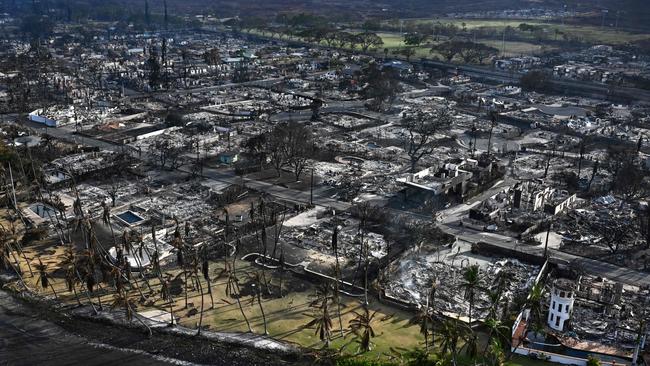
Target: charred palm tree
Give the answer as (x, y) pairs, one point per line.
(44, 278)
(69, 266)
(13, 232)
(166, 295)
(121, 299)
(7, 254)
(322, 319)
(361, 327)
(193, 268)
(127, 242)
(205, 270)
(257, 293)
(232, 285)
(425, 318)
(337, 276)
(453, 333)
(86, 273)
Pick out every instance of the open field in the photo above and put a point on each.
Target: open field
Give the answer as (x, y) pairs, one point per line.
(393, 41)
(286, 316)
(512, 48)
(588, 34)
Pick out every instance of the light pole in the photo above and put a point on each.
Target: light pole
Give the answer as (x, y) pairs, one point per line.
(548, 232)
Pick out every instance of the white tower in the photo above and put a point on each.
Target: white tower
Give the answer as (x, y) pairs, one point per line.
(562, 298)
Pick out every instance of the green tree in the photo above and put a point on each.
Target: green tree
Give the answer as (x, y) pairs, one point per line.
(414, 38)
(472, 284)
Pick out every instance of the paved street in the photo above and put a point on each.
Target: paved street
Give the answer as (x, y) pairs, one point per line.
(26, 340)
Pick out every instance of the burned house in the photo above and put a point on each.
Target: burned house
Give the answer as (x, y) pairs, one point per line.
(450, 178)
(535, 196)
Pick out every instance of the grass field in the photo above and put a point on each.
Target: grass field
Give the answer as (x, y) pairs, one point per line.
(286, 316)
(393, 41)
(588, 34)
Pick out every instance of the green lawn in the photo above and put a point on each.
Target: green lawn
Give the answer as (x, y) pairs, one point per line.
(589, 34)
(393, 41)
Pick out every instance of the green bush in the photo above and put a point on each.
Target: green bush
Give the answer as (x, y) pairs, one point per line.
(593, 361)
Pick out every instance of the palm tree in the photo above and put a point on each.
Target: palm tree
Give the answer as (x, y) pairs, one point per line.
(496, 332)
(321, 318)
(534, 301)
(471, 285)
(501, 283)
(494, 356)
(232, 284)
(7, 254)
(166, 295)
(44, 278)
(493, 123)
(86, 272)
(69, 265)
(257, 293)
(424, 318)
(452, 333)
(361, 327)
(471, 345)
(205, 270)
(337, 275)
(535, 307)
(194, 268)
(13, 232)
(121, 299)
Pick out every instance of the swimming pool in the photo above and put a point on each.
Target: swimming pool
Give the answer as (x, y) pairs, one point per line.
(43, 211)
(553, 345)
(130, 218)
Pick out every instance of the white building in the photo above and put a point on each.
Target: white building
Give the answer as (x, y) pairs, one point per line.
(561, 306)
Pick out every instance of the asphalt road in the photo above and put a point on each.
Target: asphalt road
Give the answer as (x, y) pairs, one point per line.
(28, 340)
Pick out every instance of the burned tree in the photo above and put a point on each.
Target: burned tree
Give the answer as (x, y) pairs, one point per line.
(614, 232)
(421, 128)
(299, 147)
(290, 144)
(381, 86)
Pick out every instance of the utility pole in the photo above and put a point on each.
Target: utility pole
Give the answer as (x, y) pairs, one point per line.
(311, 188)
(548, 232)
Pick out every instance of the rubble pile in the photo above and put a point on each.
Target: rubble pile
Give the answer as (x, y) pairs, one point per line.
(318, 237)
(411, 278)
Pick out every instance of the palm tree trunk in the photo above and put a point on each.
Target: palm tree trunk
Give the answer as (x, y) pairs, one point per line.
(185, 286)
(241, 308)
(171, 310)
(202, 305)
(210, 293)
(76, 295)
(56, 296)
(99, 298)
(337, 274)
(22, 253)
(87, 292)
(281, 266)
(259, 302)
